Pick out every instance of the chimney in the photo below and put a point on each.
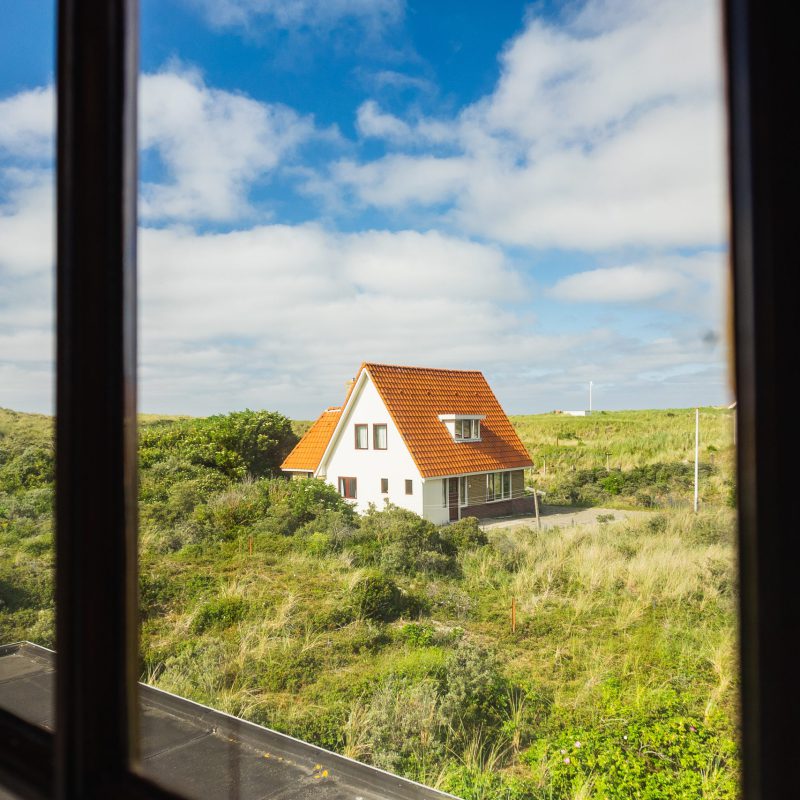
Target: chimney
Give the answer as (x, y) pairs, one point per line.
(348, 385)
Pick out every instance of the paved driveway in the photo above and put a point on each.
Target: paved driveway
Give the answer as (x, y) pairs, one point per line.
(560, 517)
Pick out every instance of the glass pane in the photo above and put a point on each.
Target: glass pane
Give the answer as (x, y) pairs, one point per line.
(27, 107)
(531, 197)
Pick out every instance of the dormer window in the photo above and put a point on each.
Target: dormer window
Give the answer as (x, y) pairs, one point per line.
(468, 429)
(463, 427)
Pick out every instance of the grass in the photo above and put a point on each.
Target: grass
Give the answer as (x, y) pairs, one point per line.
(630, 458)
(390, 641)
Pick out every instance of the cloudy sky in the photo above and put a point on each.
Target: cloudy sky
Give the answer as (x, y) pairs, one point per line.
(536, 190)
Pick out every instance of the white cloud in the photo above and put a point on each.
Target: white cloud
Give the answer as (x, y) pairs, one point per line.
(632, 284)
(402, 180)
(27, 302)
(372, 16)
(27, 123)
(690, 286)
(214, 145)
(296, 309)
(372, 122)
(27, 220)
(603, 131)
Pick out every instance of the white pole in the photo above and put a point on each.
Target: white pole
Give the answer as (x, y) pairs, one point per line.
(590, 396)
(696, 454)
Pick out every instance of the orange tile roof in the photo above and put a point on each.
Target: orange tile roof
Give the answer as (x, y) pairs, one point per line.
(308, 451)
(416, 396)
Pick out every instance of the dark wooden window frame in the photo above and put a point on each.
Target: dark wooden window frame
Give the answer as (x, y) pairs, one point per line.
(358, 426)
(93, 751)
(384, 486)
(409, 486)
(375, 436)
(345, 485)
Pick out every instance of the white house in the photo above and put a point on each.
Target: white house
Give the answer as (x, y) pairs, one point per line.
(435, 441)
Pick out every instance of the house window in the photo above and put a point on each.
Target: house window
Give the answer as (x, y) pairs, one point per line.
(466, 429)
(409, 487)
(379, 437)
(498, 486)
(463, 492)
(362, 437)
(347, 488)
(384, 486)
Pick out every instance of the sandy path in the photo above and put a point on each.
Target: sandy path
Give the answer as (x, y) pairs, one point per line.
(562, 516)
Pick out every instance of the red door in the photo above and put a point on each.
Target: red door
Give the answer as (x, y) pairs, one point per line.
(452, 498)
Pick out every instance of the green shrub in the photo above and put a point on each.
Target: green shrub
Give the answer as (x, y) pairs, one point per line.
(238, 444)
(379, 598)
(218, 613)
(299, 502)
(475, 692)
(466, 534)
(33, 466)
(665, 755)
(401, 541)
(417, 635)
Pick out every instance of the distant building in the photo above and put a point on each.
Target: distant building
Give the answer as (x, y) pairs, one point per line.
(434, 441)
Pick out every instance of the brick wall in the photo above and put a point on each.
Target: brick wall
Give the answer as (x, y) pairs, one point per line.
(500, 508)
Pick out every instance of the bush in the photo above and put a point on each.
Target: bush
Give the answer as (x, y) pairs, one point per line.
(475, 692)
(666, 755)
(465, 534)
(648, 485)
(294, 504)
(219, 613)
(417, 635)
(401, 541)
(32, 467)
(239, 444)
(378, 598)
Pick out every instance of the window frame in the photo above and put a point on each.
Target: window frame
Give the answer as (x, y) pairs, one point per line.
(92, 752)
(493, 478)
(474, 429)
(375, 428)
(344, 484)
(384, 486)
(357, 427)
(409, 487)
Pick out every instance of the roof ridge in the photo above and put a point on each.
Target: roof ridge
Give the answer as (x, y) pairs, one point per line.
(427, 369)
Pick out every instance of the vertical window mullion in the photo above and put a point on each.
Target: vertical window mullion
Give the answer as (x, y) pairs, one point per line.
(96, 581)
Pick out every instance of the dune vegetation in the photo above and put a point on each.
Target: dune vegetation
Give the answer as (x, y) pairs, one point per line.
(389, 639)
(631, 458)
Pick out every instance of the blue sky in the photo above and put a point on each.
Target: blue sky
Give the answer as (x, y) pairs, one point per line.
(536, 190)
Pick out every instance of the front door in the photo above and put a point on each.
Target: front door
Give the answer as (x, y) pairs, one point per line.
(452, 498)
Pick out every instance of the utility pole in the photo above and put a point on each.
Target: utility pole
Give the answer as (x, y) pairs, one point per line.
(590, 397)
(696, 455)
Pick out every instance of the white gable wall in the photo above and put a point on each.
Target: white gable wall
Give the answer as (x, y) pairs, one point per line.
(369, 466)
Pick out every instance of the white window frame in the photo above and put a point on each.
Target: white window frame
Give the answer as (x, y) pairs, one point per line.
(455, 424)
(463, 491)
(504, 477)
